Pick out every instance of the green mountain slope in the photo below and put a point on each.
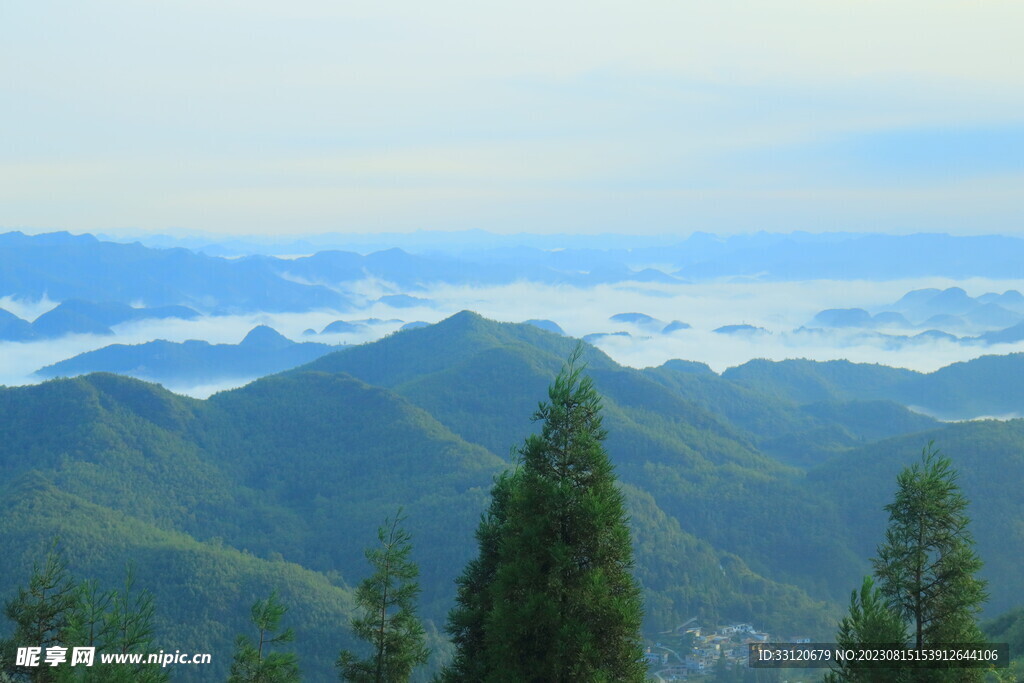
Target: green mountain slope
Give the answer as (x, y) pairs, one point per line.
(1009, 628)
(237, 476)
(341, 456)
(781, 427)
(485, 381)
(410, 354)
(806, 381)
(744, 407)
(985, 386)
(981, 387)
(286, 480)
(202, 590)
(989, 456)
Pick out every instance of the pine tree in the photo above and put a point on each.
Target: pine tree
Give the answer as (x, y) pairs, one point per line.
(89, 624)
(561, 602)
(926, 567)
(41, 614)
(129, 622)
(55, 611)
(467, 621)
(253, 662)
(870, 623)
(389, 623)
(4, 676)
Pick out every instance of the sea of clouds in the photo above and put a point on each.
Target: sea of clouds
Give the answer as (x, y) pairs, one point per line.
(781, 309)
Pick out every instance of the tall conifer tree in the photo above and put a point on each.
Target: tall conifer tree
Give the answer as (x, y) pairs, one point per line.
(41, 614)
(870, 623)
(254, 662)
(473, 602)
(926, 567)
(561, 602)
(388, 622)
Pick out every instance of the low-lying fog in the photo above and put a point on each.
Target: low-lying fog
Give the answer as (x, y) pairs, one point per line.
(779, 308)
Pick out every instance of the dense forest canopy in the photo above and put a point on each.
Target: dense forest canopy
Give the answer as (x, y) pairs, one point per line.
(745, 504)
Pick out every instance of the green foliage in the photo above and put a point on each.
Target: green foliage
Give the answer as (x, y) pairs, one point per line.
(467, 622)
(698, 468)
(219, 501)
(562, 602)
(1007, 628)
(773, 417)
(127, 627)
(54, 611)
(684, 575)
(203, 590)
(91, 624)
(926, 567)
(387, 599)
(252, 663)
(870, 622)
(806, 381)
(482, 384)
(982, 386)
(871, 420)
(41, 613)
(990, 463)
(4, 676)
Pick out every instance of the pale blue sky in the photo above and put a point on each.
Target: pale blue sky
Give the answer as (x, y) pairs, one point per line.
(654, 117)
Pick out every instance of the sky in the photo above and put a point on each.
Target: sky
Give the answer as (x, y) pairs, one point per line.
(655, 117)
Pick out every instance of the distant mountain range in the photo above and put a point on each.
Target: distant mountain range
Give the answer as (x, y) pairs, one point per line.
(756, 495)
(925, 316)
(701, 256)
(76, 316)
(63, 266)
(262, 352)
(947, 311)
(920, 317)
(981, 387)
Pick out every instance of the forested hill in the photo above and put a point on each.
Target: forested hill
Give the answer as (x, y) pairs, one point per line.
(263, 351)
(283, 483)
(983, 387)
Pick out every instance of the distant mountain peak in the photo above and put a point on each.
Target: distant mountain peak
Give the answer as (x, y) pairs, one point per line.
(688, 366)
(675, 326)
(393, 251)
(636, 318)
(463, 318)
(549, 325)
(740, 329)
(403, 301)
(266, 337)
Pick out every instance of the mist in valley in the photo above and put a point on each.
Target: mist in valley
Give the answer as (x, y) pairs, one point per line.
(780, 312)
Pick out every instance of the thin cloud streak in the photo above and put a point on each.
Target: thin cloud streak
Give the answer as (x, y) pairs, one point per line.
(320, 116)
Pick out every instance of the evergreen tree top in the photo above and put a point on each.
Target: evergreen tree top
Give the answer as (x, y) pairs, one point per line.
(551, 596)
(570, 443)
